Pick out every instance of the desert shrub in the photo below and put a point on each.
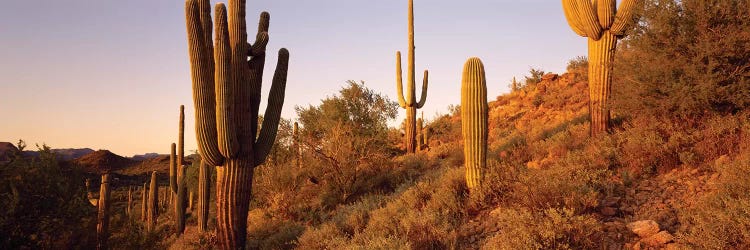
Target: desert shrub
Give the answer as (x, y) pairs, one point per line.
(686, 58)
(44, 205)
(721, 219)
(535, 76)
(547, 229)
(265, 232)
(579, 65)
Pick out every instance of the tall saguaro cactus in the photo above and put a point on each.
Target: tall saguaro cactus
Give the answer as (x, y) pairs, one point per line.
(102, 227)
(420, 134)
(181, 187)
(474, 120)
(153, 200)
(409, 102)
(173, 169)
(204, 195)
(226, 94)
(603, 24)
(129, 210)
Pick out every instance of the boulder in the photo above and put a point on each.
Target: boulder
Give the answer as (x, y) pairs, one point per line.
(644, 228)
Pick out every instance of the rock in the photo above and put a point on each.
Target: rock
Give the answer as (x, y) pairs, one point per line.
(644, 228)
(658, 239)
(608, 211)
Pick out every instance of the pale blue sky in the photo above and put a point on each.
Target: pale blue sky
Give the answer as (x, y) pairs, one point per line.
(112, 74)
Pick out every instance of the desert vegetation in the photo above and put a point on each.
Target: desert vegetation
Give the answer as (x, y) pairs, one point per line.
(646, 146)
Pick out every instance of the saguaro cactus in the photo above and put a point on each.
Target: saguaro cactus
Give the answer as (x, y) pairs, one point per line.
(173, 169)
(102, 227)
(129, 210)
(180, 203)
(153, 200)
(297, 146)
(603, 24)
(226, 94)
(474, 120)
(420, 138)
(409, 102)
(204, 195)
(144, 203)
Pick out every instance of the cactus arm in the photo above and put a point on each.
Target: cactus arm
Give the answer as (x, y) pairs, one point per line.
(256, 67)
(205, 15)
(225, 120)
(400, 81)
(605, 10)
(272, 116)
(624, 17)
(242, 77)
(570, 16)
(203, 87)
(423, 98)
(585, 14)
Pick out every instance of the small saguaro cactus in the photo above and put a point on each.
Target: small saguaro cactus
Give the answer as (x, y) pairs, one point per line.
(514, 85)
(173, 169)
(603, 24)
(191, 200)
(420, 139)
(226, 95)
(409, 102)
(144, 203)
(129, 210)
(153, 202)
(204, 195)
(297, 146)
(102, 226)
(474, 120)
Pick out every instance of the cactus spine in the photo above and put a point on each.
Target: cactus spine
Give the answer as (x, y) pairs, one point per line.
(204, 176)
(603, 24)
(226, 94)
(144, 203)
(153, 200)
(102, 226)
(474, 120)
(409, 102)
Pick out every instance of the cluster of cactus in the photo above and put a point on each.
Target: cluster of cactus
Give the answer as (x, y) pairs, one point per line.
(603, 24)
(102, 225)
(474, 121)
(152, 212)
(409, 102)
(226, 94)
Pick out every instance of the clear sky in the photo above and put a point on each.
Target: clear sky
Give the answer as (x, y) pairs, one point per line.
(111, 74)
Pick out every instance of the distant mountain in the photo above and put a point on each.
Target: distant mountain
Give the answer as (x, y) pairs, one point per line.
(7, 149)
(67, 154)
(146, 156)
(102, 161)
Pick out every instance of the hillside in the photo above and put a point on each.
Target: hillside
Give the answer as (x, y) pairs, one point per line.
(7, 149)
(102, 161)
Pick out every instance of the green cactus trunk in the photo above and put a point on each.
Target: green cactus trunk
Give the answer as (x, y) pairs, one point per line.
(408, 101)
(226, 94)
(102, 226)
(153, 201)
(204, 195)
(144, 203)
(601, 56)
(173, 169)
(474, 121)
(603, 24)
(179, 205)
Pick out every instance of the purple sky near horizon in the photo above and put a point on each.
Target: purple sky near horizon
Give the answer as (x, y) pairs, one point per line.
(112, 74)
